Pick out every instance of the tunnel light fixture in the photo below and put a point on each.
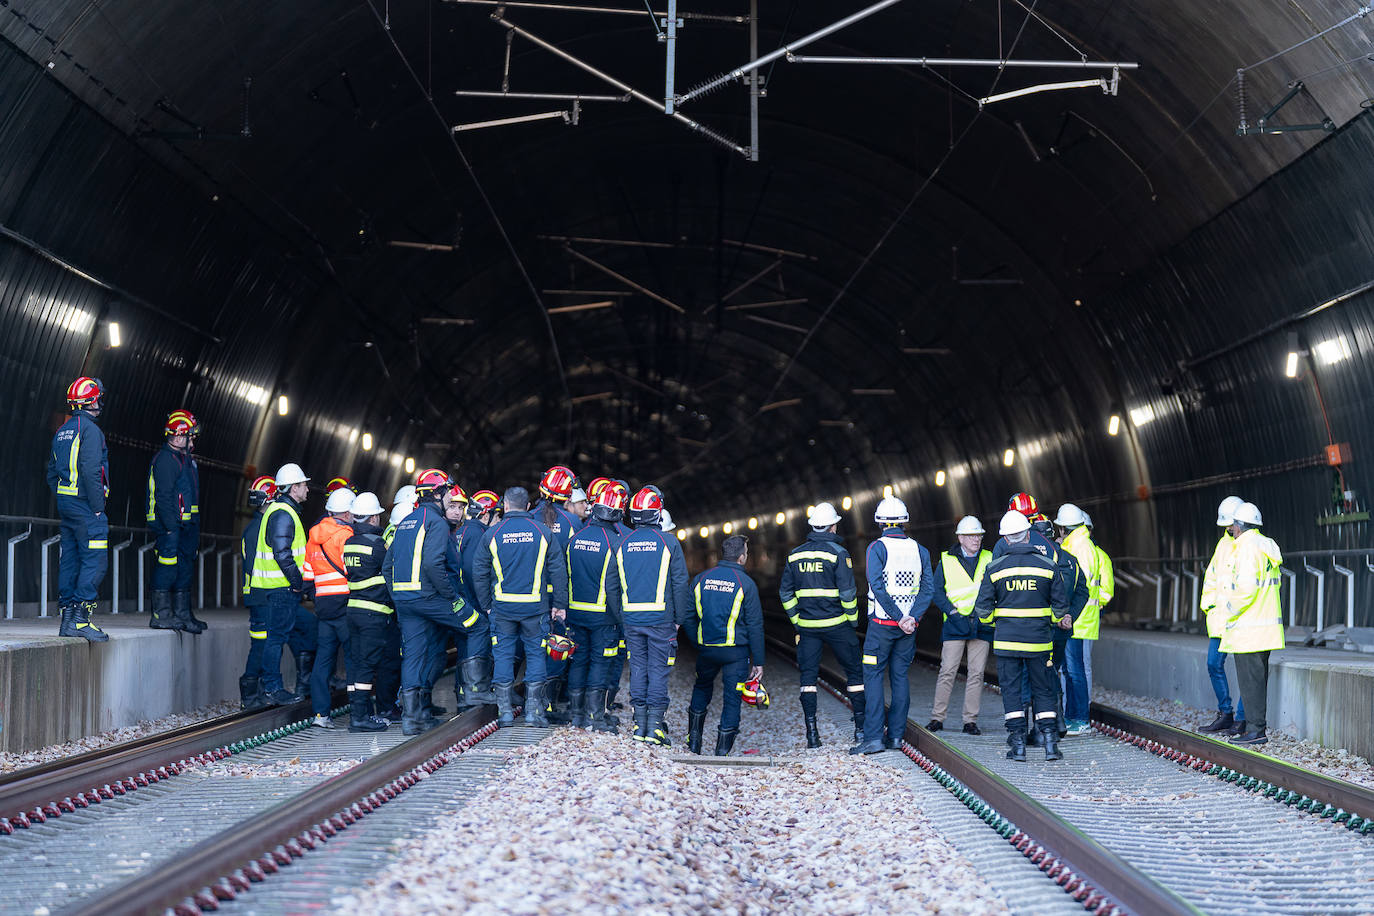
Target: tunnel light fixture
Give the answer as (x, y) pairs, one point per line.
(283, 405)
(410, 465)
(1290, 365)
(395, 460)
(1008, 457)
(1333, 350)
(367, 442)
(1114, 425)
(887, 491)
(846, 504)
(753, 522)
(780, 518)
(939, 478)
(682, 534)
(703, 531)
(1142, 415)
(116, 339)
(727, 527)
(810, 510)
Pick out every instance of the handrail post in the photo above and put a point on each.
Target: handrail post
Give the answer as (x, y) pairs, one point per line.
(219, 575)
(1192, 577)
(141, 565)
(200, 562)
(1292, 578)
(9, 571)
(43, 575)
(1320, 576)
(1349, 593)
(114, 580)
(1173, 591)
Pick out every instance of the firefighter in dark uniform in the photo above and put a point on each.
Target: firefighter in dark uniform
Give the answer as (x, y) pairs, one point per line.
(174, 521)
(654, 594)
(1023, 596)
(593, 620)
(521, 579)
(729, 635)
(79, 474)
(373, 637)
(819, 595)
(555, 490)
(472, 679)
(251, 696)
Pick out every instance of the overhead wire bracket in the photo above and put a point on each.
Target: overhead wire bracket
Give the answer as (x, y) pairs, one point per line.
(1265, 124)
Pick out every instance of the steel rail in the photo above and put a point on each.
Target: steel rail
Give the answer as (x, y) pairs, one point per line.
(165, 886)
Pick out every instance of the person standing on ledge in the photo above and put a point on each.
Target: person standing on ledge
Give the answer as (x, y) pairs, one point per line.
(79, 474)
(1254, 618)
(1218, 575)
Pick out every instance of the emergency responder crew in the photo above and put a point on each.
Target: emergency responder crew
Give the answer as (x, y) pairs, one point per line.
(819, 595)
(1042, 529)
(556, 489)
(472, 679)
(728, 621)
(277, 564)
(325, 558)
(422, 574)
(617, 663)
(260, 493)
(958, 576)
(1075, 538)
(593, 621)
(1254, 618)
(79, 474)
(402, 504)
(1217, 577)
(652, 588)
(521, 579)
(373, 636)
(1023, 595)
(172, 485)
(900, 586)
(593, 491)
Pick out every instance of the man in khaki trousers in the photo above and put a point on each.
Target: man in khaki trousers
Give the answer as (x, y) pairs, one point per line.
(958, 576)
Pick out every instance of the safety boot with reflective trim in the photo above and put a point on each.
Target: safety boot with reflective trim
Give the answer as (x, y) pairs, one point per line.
(596, 711)
(434, 715)
(250, 688)
(696, 722)
(68, 625)
(577, 708)
(361, 717)
(641, 717)
(813, 732)
(81, 616)
(181, 610)
(658, 728)
(476, 673)
(556, 702)
(536, 705)
(160, 615)
(505, 705)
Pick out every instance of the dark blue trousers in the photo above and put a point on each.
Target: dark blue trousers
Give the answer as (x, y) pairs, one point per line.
(423, 624)
(284, 624)
(511, 633)
(653, 651)
(257, 637)
(85, 537)
(597, 647)
(731, 663)
(887, 650)
(332, 639)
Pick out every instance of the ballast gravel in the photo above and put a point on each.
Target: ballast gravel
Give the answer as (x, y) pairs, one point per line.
(9, 762)
(610, 826)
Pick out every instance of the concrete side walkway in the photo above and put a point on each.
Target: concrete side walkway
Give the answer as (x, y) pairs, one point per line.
(54, 689)
(1323, 695)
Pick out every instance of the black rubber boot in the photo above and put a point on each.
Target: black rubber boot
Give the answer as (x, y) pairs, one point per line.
(555, 703)
(1016, 740)
(641, 717)
(577, 709)
(813, 732)
(725, 740)
(81, 616)
(428, 709)
(1050, 737)
(248, 691)
(477, 680)
(68, 625)
(1221, 723)
(536, 705)
(181, 609)
(305, 663)
(611, 704)
(696, 722)
(460, 695)
(414, 721)
(505, 705)
(1033, 733)
(360, 717)
(859, 725)
(658, 729)
(160, 616)
(596, 711)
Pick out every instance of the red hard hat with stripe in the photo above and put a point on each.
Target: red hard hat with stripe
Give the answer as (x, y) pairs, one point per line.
(262, 490)
(84, 392)
(557, 482)
(1023, 503)
(431, 479)
(181, 423)
(338, 483)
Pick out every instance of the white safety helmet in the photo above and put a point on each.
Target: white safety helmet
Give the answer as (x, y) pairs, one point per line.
(822, 515)
(405, 495)
(366, 505)
(969, 525)
(400, 511)
(1087, 520)
(290, 474)
(665, 518)
(341, 500)
(1013, 523)
(1226, 512)
(1249, 513)
(891, 511)
(1070, 516)
(579, 495)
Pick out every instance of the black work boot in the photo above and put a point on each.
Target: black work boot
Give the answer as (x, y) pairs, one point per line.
(577, 708)
(813, 733)
(1050, 737)
(505, 705)
(536, 705)
(81, 616)
(413, 718)
(1237, 728)
(555, 703)
(611, 704)
(248, 691)
(181, 610)
(160, 616)
(305, 663)
(477, 680)
(658, 728)
(428, 709)
(1251, 738)
(360, 717)
(283, 697)
(1032, 733)
(641, 717)
(859, 726)
(596, 711)
(725, 740)
(696, 722)
(1016, 740)
(1221, 723)
(68, 625)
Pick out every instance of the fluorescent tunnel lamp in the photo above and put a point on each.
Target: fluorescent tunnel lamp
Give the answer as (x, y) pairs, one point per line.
(115, 338)
(1114, 425)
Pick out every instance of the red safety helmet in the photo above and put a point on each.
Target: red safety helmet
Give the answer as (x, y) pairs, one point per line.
(1023, 503)
(181, 423)
(457, 495)
(596, 486)
(339, 483)
(647, 507)
(557, 483)
(754, 693)
(482, 501)
(559, 647)
(84, 392)
(431, 479)
(262, 491)
(609, 504)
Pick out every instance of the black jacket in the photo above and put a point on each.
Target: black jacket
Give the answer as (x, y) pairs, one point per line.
(363, 556)
(281, 530)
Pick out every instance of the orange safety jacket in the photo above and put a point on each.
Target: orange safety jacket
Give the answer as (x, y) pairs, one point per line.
(324, 563)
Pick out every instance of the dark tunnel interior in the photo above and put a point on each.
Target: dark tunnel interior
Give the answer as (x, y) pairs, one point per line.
(906, 289)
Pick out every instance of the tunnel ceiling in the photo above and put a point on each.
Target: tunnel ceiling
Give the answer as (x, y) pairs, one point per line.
(886, 214)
